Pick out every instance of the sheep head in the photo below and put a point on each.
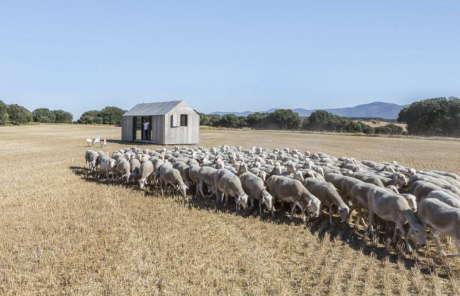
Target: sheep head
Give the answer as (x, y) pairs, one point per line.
(313, 206)
(242, 201)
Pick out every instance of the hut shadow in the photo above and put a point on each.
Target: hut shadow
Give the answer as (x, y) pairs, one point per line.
(354, 237)
(137, 143)
(145, 143)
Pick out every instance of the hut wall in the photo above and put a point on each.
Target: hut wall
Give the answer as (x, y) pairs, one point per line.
(127, 129)
(158, 129)
(177, 134)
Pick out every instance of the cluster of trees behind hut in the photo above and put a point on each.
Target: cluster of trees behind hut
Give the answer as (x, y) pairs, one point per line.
(108, 115)
(430, 117)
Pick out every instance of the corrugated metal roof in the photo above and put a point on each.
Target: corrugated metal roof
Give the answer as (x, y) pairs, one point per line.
(148, 109)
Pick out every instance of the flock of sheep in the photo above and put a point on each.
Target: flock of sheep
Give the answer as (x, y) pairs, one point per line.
(402, 200)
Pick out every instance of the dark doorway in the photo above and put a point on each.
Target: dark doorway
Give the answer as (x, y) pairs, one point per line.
(142, 128)
(147, 128)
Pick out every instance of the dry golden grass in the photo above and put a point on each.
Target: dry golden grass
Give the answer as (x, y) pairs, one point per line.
(64, 235)
(378, 123)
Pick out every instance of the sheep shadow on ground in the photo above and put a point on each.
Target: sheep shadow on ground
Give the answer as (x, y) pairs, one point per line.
(358, 240)
(210, 204)
(355, 238)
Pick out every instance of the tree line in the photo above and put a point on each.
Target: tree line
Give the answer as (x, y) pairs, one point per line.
(17, 114)
(287, 119)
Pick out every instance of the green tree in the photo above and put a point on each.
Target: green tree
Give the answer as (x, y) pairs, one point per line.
(91, 117)
(3, 113)
(112, 115)
(62, 116)
(323, 120)
(204, 118)
(285, 119)
(437, 116)
(209, 119)
(43, 115)
(18, 114)
(256, 120)
(229, 120)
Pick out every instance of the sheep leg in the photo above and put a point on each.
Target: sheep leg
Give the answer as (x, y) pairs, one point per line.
(173, 189)
(200, 189)
(330, 216)
(260, 208)
(161, 188)
(292, 209)
(400, 227)
(457, 244)
(438, 243)
(219, 198)
(184, 192)
(178, 191)
(250, 203)
(172, 192)
(197, 190)
(370, 228)
(395, 233)
(213, 191)
(350, 214)
(167, 189)
(304, 214)
(361, 218)
(88, 171)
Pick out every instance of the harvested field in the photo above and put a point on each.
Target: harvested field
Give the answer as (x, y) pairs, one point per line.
(378, 123)
(62, 234)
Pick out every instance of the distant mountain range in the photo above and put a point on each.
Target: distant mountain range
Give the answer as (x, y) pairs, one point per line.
(371, 110)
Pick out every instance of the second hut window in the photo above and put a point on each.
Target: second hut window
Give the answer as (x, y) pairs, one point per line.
(183, 120)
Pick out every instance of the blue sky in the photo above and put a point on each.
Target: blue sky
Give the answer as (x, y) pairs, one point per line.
(227, 55)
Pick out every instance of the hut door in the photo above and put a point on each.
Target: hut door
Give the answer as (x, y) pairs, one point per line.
(147, 128)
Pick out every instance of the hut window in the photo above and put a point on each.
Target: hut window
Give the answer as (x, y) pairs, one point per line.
(172, 120)
(183, 120)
